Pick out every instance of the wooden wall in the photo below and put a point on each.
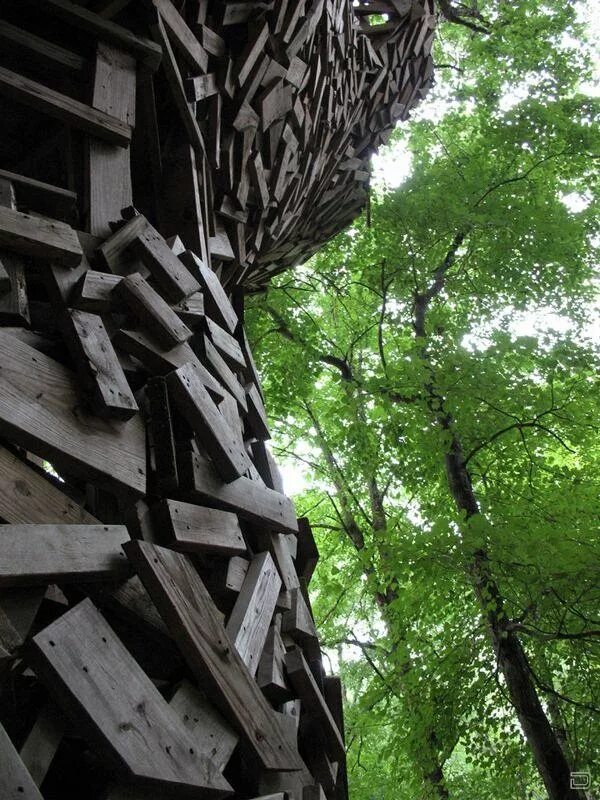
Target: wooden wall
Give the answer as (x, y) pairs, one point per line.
(157, 161)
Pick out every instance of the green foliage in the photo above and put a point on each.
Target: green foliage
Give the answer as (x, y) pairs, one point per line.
(511, 353)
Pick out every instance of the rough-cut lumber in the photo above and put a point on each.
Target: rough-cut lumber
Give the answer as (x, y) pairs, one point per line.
(97, 681)
(245, 497)
(42, 554)
(248, 624)
(45, 198)
(40, 409)
(48, 101)
(191, 528)
(271, 669)
(218, 306)
(214, 737)
(43, 238)
(305, 685)
(204, 417)
(189, 611)
(15, 781)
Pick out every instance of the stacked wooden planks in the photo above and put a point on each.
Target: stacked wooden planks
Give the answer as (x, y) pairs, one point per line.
(156, 635)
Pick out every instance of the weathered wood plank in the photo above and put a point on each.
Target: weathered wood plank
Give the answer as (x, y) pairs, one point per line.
(220, 369)
(183, 38)
(48, 101)
(245, 497)
(271, 668)
(42, 742)
(43, 197)
(212, 734)
(152, 311)
(99, 365)
(203, 416)
(40, 554)
(188, 609)
(218, 306)
(313, 701)
(226, 344)
(93, 291)
(52, 53)
(248, 624)
(99, 684)
(40, 237)
(193, 528)
(40, 409)
(15, 781)
(173, 278)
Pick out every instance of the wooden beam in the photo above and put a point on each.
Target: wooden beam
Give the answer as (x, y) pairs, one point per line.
(40, 237)
(15, 780)
(48, 101)
(40, 409)
(100, 685)
(249, 622)
(191, 528)
(188, 609)
(183, 38)
(31, 555)
(245, 497)
(52, 53)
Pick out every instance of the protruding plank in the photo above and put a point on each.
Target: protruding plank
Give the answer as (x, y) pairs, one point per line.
(257, 416)
(40, 554)
(188, 609)
(60, 106)
(193, 528)
(100, 685)
(205, 419)
(219, 367)
(40, 237)
(245, 497)
(173, 278)
(161, 436)
(252, 613)
(26, 496)
(213, 735)
(226, 344)
(15, 781)
(313, 701)
(99, 365)
(152, 311)
(184, 40)
(271, 669)
(298, 621)
(93, 291)
(42, 742)
(40, 409)
(308, 555)
(218, 305)
(115, 252)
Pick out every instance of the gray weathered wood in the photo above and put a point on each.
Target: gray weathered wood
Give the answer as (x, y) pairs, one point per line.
(218, 305)
(152, 311)
(197, 407)
(188, 609)
(40, 409)
(191, 528)
(248, 624)
(42, 742)
(41, 237)
(42, 554)
(98, 683)
(226, 344)
(15, 781)
(93, 292)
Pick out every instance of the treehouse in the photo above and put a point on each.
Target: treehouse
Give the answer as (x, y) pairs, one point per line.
(158, 161)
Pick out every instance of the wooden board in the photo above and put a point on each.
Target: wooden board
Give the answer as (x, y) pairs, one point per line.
(248, 624)
(245, 497)
(191, 528)
(40, 237)
(15, 781)
(188, 609)
(40, 408)
(40, 554)
(99, 684)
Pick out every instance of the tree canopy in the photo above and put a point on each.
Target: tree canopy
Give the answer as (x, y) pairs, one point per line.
(434, 372)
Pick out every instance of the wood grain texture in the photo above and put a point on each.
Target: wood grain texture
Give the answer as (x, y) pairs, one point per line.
(192, 528)
(15, 781)
(40, 408)
(44, 238)
(98, 683)
(42, 554)
(188, 609)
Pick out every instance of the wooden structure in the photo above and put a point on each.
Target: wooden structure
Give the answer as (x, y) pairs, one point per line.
(157, 160)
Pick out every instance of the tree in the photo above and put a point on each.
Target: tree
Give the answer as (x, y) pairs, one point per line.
(455, 460)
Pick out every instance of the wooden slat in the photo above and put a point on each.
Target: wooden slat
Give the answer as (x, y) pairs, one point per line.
(218, 306)
(93, 291)
(64, 108)
(313, 701)
(99, 366)
(193, 528)
(226, 344)
(99, 684)
(105, 30)
(184, 40)
(15, 781)
(197, 407)
(249, 622)
(245, 497)
(152, 311)
(271, 668)
(40, 554)
(212, 734)
(40, 409)
(52, 53)
(40, 237)
(188, 609)
(220, 369)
